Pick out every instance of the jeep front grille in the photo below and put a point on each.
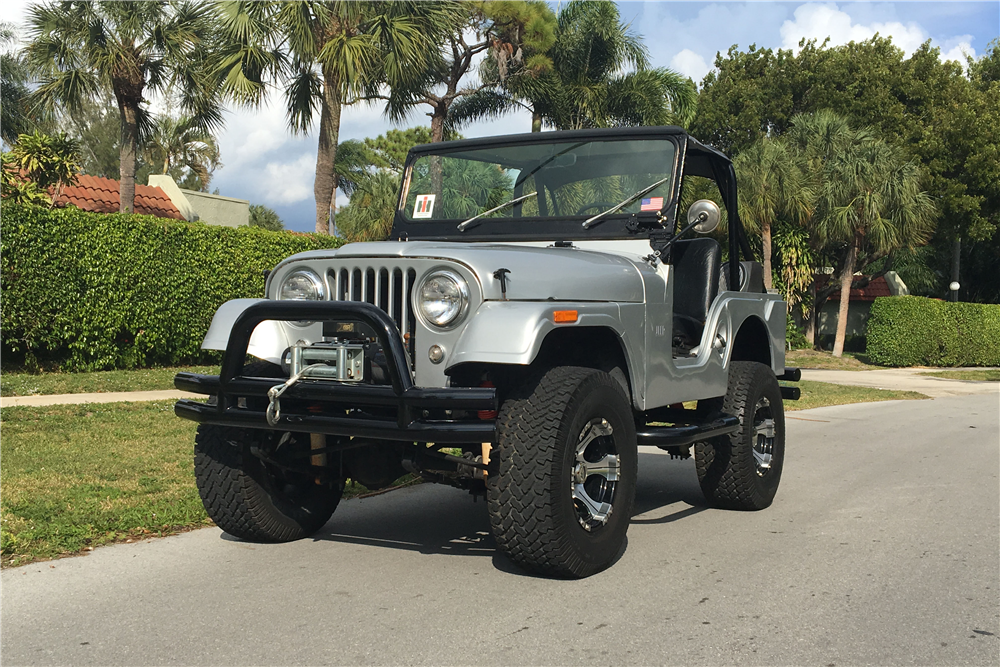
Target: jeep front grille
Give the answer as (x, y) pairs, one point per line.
(385, 287)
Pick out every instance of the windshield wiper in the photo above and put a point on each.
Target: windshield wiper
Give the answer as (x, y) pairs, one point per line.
(462, 226)
(590, 222)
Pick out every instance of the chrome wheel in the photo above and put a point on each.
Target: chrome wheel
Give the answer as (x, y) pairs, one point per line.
(763, 436)
(594, 474)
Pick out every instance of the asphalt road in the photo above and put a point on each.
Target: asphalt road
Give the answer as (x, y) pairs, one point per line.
(881, 548)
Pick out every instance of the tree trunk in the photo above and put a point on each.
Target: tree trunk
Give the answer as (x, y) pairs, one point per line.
(437, 134)
(956, 264)
(126, 167)
(536, 121)
(846, 278)
(765, 233)
(324, 187)
(809, 316)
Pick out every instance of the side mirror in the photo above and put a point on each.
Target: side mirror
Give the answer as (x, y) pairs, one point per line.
(705, 215)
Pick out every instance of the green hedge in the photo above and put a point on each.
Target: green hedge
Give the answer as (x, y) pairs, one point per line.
(92, 291)
(916, 331)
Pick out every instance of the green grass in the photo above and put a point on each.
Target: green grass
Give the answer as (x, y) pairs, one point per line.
(981, 375)
(145, 379)
(78, 476)
(820, 394)
(851, 361)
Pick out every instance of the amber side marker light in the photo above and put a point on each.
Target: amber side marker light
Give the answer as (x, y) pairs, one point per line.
(565, 316)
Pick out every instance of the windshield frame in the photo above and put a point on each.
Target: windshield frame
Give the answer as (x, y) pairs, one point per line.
(536, 228)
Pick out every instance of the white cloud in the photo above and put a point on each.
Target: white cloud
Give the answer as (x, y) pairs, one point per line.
(14, 11)
(957, 48)
(821, 20)
(288, 182)
(690, 64)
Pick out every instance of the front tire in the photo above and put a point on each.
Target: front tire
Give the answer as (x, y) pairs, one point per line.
(254, 500)
(562, 500)
(741, 471)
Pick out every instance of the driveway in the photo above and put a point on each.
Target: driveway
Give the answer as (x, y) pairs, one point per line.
(881, 549)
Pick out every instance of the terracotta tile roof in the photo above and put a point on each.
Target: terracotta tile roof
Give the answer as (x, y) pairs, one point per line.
(876, 288)
(100, 195)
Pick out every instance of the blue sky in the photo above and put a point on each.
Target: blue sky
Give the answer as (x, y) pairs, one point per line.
(266, 165)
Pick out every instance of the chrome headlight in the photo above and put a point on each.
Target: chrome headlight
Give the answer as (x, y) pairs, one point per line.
(443, 298)
(302, 285)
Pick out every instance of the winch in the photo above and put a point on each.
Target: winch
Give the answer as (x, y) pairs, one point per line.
(329, 360)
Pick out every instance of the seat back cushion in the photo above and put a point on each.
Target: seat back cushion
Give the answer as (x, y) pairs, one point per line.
(696, 277)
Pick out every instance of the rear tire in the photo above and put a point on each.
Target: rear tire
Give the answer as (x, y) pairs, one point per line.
(562, 500)
(741, 471)
(251, 499)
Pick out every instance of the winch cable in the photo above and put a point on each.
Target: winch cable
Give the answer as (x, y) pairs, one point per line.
(275, 392)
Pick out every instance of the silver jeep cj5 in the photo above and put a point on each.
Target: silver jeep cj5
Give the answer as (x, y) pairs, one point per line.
(539, 313)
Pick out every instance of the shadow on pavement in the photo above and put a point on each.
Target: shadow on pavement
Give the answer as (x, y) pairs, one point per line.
(433, 519)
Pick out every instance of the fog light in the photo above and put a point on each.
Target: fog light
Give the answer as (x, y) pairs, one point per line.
(435, 354)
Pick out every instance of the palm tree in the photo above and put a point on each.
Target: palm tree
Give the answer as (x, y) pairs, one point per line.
(772, 183)
(16, 114)
(178, 143)
(505, 29)
(589, 83)
(324, 55)
(132, 49)
(869, 199)
(369, 215)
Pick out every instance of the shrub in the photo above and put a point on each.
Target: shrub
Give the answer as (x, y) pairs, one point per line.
(917, 331)
(93, 291)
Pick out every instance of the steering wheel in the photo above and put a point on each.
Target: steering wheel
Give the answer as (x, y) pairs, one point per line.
(602, 205)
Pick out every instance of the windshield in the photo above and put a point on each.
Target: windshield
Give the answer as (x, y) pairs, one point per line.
(564, 179)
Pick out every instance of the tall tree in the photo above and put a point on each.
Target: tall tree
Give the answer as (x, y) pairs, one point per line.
(772, 183)
(132, 49)
(324, 55)
(17, 114)
(940, 117)
(869, 200)
(505, 29)
(596, 73)
(180, 147)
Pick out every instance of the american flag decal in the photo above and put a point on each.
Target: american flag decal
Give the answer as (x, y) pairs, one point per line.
(651, 204)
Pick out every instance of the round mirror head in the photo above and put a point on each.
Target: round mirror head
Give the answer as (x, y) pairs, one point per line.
(705, 215)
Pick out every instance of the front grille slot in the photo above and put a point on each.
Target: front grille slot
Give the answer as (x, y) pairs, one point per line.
(387, 288)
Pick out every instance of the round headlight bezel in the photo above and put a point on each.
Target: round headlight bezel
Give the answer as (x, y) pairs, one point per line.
(319, 287)
(463, 290)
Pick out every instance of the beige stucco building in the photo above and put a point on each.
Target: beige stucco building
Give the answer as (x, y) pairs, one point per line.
(202, 206)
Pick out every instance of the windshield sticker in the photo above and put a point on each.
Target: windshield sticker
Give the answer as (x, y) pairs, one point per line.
(651, 204)
(424, 206)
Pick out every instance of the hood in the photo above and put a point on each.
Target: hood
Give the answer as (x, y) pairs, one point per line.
(536, 273)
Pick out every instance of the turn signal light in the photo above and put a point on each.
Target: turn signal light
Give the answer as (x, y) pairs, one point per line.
(565, 316)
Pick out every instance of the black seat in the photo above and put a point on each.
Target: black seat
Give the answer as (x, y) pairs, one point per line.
(696, 284)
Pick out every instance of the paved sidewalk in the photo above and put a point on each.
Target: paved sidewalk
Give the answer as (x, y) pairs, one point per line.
(904, 379)
(907, 379)
(103, 397)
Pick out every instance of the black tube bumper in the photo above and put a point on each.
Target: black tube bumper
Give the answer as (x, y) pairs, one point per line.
(395, 411)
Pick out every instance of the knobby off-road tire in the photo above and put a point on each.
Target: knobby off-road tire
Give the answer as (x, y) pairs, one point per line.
(250, 499)
(549, 431)
(741, 471)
